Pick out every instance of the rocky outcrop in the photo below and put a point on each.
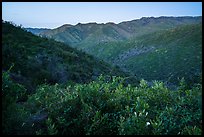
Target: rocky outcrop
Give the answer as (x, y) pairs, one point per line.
(133, 52)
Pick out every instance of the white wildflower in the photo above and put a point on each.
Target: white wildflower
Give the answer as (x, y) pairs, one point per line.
(146, 114)
(135, 113)
(148, 123)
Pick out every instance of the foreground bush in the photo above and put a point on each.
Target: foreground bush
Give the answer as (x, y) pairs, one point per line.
(108, 107)
(13, 114)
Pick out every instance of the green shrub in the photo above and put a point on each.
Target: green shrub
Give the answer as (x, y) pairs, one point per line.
(107, 107)
(13, 114)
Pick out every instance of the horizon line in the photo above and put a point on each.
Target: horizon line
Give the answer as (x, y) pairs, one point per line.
(92, 22)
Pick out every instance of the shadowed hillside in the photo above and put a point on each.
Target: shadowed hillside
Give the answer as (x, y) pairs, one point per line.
(152, 48)
(38, 60)
(164, 55)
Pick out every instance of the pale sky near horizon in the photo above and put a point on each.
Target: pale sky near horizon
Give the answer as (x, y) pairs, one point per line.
(54, 14)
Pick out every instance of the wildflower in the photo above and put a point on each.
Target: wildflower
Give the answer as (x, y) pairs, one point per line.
(146, 114)
(135, 113)
(148, 123)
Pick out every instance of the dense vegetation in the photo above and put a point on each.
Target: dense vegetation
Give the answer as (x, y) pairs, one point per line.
(75, 94)
(103, 107)
(163, 55)
(151, 48)
(39, 60)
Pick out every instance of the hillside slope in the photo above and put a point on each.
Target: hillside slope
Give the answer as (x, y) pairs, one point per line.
(152, 48)
(84, 36)
(38, 60)
(163, 55)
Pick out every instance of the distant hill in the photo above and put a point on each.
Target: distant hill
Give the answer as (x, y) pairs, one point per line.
(36, 31)
(39, 60)
(85, 35)
(163, 55)
(143, 47)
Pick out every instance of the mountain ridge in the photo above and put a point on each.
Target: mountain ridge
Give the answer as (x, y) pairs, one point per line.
(120, 22)
(81, 34)
(106, 41)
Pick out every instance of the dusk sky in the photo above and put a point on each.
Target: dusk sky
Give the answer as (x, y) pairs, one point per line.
(54, 14)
